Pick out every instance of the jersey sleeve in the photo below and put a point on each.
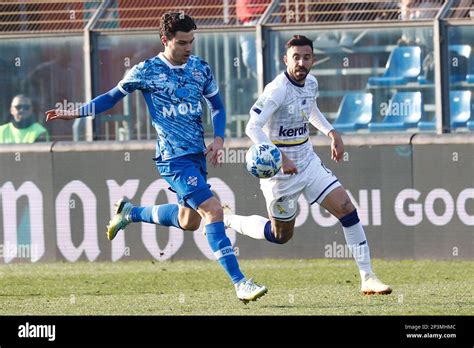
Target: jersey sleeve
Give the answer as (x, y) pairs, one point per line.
(316, 117)
(210, 85)
(318, 120)
(265, 106)
(133, 79)
(271, 99)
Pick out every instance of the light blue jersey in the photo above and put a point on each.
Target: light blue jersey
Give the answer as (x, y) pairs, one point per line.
(173, 95)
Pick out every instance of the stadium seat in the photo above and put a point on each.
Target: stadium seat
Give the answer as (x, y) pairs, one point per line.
(355, 112)
(470, 125)
(403, 66)
(405, 110)
(460, 108)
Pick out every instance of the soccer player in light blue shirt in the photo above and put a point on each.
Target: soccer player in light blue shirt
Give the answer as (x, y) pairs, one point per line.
(173, 84)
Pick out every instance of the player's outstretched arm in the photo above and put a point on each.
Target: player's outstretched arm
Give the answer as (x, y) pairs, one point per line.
(99, 104)
(219, 122)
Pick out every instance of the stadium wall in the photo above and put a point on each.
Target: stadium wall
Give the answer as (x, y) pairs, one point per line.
(414, 195)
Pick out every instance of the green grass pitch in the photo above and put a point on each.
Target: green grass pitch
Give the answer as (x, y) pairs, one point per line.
(296, 287)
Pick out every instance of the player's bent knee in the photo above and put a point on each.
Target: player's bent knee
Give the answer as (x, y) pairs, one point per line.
(190, 225)
(347, 209)
(212, 210)
(215, 213)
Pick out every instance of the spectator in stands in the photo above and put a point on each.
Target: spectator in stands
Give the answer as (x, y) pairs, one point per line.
(248, 13)
(23, 128)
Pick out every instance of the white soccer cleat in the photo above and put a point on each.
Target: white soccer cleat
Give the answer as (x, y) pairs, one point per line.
(227, 213)
(121, 218)
(248, 291)
(371, 285)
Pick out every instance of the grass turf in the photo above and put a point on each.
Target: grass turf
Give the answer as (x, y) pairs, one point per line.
(296, 287)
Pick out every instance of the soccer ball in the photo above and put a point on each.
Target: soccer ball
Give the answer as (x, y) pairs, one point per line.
(263, 160)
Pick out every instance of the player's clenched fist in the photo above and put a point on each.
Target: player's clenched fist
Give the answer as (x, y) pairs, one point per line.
(288, 166)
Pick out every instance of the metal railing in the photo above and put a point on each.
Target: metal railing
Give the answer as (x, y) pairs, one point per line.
(144, 14)
(325, 12)
(46, 16)
(461, 9)
(73, 15)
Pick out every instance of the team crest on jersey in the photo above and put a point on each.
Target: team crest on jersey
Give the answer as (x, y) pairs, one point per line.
(304, 115)
(197, 75)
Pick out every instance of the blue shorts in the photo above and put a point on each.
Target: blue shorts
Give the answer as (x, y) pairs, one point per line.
(187, 177)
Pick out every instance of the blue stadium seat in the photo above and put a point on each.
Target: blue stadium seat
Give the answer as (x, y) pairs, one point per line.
(460, 108)
(355, 112)
(470, 125)
(403, 66)
(405, 110)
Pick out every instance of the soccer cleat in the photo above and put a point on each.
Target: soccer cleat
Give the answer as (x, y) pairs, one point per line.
(248, 291)
(121, 218)
(371, 285)
(227, 213)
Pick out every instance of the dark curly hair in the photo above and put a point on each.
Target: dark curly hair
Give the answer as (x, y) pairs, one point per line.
(171, 22)
(299, 40)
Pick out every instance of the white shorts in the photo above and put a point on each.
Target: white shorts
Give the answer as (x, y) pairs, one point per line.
(282, 191)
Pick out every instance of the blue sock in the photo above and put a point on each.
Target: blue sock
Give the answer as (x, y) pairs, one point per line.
(268, 233)
(165, 215)
(222, 248)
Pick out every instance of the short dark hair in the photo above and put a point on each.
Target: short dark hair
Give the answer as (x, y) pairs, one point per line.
(299, 40)
(171, 22)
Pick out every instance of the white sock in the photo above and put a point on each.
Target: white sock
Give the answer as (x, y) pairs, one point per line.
(252, 226)
(354, 237)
